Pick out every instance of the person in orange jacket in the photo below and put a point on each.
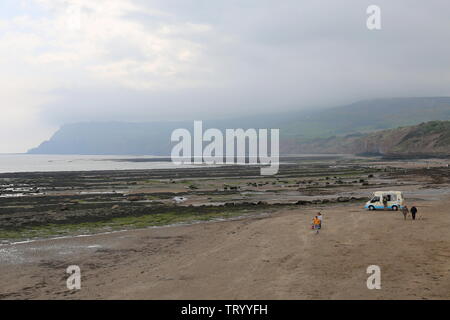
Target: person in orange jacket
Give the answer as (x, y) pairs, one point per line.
(316, 224)
(320, 217)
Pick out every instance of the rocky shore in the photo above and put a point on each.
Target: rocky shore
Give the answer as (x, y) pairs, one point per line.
(35, 205)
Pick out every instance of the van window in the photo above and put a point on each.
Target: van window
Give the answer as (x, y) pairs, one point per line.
(388, 197)
(375, 199)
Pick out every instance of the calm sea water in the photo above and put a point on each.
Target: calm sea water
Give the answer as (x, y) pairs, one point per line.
(46, 163)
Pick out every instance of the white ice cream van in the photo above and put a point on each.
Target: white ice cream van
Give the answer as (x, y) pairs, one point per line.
(381, 200)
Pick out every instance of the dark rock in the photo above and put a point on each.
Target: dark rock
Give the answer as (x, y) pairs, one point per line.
(135, 198)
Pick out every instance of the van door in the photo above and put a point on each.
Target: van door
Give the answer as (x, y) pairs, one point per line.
(389, 198)
(376, 202)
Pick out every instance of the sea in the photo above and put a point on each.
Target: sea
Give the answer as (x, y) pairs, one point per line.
(53, 163)
(10, 163)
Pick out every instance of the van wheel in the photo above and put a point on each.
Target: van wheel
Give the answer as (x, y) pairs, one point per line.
(395, 208)
(371, 208)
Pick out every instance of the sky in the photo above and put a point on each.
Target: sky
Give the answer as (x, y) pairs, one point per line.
(66, 61)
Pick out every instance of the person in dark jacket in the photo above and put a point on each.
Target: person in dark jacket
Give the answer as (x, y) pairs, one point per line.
(413, 212)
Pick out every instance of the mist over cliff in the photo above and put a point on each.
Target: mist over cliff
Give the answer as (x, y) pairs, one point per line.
(335, 129)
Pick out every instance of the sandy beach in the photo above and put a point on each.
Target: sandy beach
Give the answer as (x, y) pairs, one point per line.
(272, 257)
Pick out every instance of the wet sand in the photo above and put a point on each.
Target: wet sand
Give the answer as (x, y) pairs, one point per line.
(271, 257)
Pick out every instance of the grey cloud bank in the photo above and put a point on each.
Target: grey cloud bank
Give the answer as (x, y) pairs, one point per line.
(179, 60)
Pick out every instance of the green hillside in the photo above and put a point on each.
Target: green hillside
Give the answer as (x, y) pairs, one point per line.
(367, 116)
(425, 139)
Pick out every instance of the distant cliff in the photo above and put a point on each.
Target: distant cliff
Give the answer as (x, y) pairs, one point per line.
(429, 138)
(110, 138)
(339, 129)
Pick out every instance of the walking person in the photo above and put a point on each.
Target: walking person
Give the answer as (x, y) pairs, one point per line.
(413, 212)
(316, 224)
(320, 217)
(405, 211)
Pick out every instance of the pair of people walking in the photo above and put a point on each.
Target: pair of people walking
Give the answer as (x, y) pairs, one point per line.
(413, 211)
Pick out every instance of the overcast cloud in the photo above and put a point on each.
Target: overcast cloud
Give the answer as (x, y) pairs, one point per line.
(138, 60)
